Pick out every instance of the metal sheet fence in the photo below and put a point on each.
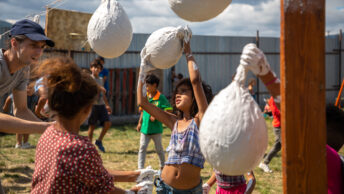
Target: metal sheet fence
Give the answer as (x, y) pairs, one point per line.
(218, 58)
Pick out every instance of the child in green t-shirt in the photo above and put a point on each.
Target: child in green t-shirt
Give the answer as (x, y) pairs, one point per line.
(149, 127)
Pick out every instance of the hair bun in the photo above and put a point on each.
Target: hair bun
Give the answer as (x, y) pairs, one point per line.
(62, 73)
(71, 80)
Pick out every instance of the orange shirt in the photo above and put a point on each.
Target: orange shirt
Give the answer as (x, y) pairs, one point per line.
(276, 122)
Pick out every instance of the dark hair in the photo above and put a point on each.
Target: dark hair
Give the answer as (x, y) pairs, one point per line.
(96, 63)
(69, 89)
(100, 58)
(180, 76)
(335, 126)
(86, 70)
(152, 79)
(19, 38)
(194, 108)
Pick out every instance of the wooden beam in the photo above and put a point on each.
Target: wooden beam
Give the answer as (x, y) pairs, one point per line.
(303, 96)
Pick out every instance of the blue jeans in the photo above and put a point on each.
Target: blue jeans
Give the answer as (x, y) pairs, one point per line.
(163, 188)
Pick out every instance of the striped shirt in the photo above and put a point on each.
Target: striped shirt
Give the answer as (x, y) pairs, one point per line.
(226, 182)
(184, 147)
(68, 163)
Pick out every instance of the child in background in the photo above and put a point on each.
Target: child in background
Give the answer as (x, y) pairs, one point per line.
(65, 161)
(181, 173)
(276, 124)
(101, 108)
(105, 75)
(151, 128)
(267, 111)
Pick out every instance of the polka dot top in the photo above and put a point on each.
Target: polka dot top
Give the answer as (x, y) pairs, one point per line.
(68, 163)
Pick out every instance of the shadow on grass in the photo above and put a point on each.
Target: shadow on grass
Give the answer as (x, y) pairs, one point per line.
(130, 152)
(20, 169)
(17, 178)
(4, 157)
(15, 189)
(8, 146)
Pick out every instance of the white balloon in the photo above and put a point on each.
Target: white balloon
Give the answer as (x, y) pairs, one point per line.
(198, 10)
(164, 47)
(109, 30)
(233, 134)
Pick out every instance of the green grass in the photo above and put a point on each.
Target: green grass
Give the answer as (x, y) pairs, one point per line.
(122, 145)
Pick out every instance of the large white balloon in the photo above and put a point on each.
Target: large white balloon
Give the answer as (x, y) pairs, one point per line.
(233, 134)
(109, 30)
(198, 10)
(164, 47)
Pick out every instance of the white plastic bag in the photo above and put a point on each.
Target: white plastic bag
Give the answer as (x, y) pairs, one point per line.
(233, 133)
(164, 47)
(109, 30)
(198, 10)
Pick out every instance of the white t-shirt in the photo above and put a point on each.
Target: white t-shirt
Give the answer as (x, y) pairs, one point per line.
(100, 82)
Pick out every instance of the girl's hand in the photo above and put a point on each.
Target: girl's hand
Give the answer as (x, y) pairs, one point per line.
(145, 187)
(206, 188)
(253, 58)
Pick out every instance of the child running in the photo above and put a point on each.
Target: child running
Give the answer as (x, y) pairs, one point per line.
(65, 161)
(101, 109)
(181, 173)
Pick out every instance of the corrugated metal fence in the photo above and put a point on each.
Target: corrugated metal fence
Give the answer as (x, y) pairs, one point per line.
(217, 57)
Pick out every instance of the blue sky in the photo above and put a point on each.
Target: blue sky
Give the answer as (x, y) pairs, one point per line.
(240, 18)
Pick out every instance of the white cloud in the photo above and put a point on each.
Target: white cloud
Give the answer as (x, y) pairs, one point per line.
(241, 18)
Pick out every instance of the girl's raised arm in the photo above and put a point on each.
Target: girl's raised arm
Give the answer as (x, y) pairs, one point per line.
(196, 82)
(166, 118)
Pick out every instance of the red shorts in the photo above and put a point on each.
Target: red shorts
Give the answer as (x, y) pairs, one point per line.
(234, 190)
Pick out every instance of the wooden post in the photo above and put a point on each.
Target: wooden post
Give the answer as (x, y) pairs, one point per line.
(303, 96)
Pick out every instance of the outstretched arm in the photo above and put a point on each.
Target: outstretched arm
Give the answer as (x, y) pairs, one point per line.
(124, 176)
(253, 58)
(207, 186)
(10, 124)
(196, 81)
(20, 108)
(272, 83)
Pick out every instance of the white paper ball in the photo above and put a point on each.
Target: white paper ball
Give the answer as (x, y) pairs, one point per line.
(109, 30)
(233, 134)
(165, 46)
(198, 10)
